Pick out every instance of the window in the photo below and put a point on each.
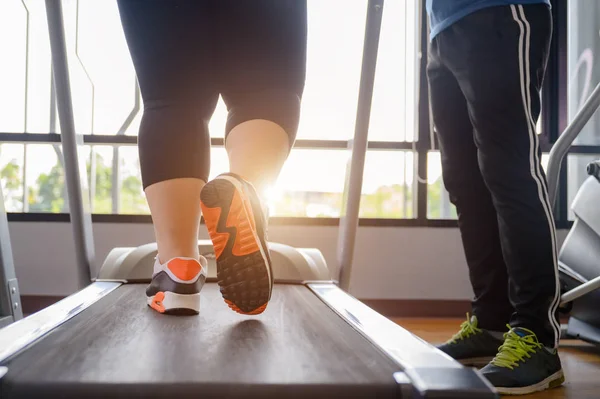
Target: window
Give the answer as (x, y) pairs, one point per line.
(11, 176)
(107, 101)
(584, 72)
(438, 200)
(583, 76)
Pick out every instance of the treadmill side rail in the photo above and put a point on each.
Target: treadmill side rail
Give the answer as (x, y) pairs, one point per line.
(290, 265)
(423, 364)
(464, 383)
(20, 334)
(10, 300)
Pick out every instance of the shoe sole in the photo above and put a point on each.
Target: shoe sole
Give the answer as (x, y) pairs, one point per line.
(175, 304)
(554, 381)
(243, 271)
(476, 361)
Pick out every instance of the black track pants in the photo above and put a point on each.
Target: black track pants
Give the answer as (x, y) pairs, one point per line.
(485, 73)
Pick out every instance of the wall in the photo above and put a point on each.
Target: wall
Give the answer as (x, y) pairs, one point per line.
(390, 262)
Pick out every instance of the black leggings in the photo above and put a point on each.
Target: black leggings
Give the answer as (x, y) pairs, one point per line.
(187, 52)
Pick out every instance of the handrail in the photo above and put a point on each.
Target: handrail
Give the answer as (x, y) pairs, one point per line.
(75, 171)
(354, 176)
(561, 146)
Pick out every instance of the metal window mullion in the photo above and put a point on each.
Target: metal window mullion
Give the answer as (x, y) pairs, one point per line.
(92, 177)
(25, 189)
(116, 164)
(123, 140)
(116, 181)
(25, 110)
(404, 185)
(424, 134)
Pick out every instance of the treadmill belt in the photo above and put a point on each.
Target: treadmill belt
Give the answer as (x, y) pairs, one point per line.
(120, 347)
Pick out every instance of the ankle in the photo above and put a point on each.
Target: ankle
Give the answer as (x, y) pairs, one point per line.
(177, 254)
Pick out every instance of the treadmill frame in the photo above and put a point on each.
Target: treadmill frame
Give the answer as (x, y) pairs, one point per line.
(10, 298)
(20, 335)
(423, 371)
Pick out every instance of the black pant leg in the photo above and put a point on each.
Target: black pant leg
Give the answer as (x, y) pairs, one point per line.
(477, 217)
(262, 60)
(171, 45)
(499, 57)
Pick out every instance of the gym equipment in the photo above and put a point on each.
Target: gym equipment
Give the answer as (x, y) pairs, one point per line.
(314, 339)
(579, 257)
(10, 298)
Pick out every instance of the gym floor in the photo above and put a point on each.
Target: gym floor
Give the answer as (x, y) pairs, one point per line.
(581, 361)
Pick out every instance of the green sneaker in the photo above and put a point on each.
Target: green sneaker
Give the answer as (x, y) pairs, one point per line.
(523, 365)
(471, 346)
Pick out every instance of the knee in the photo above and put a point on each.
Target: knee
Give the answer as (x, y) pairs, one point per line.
(281, 107)
(509, 176)
(464, 184)
(172, 143)
(456, 178)
(494, 169)
(197, 106)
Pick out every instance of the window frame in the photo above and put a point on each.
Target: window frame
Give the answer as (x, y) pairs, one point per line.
(554, 121)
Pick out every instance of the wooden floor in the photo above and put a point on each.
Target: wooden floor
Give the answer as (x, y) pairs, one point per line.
(581, 361)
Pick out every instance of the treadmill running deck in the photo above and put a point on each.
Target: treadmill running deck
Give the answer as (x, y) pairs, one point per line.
(297, 348)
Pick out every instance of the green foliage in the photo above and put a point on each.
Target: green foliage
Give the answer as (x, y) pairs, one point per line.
(435, 201)
(48, 193)
(11, 177)
(132, 197)
(393, 201)
(103, 186)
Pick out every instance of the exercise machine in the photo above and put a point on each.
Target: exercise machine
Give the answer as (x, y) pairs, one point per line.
(10, 299)
(579, 257)
(313, 340)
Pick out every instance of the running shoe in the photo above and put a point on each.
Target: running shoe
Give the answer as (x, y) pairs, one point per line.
(523, 365)
(176, 285)
(237, 227)
(471, 345)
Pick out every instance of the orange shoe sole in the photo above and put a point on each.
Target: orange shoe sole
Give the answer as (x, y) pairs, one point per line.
(243, 270)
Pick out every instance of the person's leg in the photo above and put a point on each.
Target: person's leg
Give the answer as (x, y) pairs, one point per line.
(477, 217)
(254, 140)
(175, 208)
(263, 67)
(175, 72)
(499, 57)
(262, 62)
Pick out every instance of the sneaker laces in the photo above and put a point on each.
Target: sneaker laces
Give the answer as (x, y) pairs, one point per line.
(467, 328)
(516, 348)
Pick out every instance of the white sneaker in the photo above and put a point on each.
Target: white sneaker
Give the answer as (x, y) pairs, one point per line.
(176, 285)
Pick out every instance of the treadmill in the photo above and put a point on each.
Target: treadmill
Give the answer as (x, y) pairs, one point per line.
(314, 340)
(10, 298)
